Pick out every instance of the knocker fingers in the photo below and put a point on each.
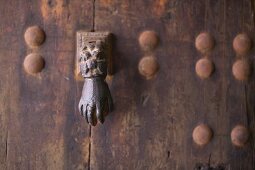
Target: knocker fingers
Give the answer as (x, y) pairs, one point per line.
(92, 119)
(110, 102)
(80, 108)
(83, 111)
(99, 112)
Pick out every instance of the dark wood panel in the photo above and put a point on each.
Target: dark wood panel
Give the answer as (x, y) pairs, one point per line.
(236, 102)
(152, 123)
(40, 125)
(153, 120)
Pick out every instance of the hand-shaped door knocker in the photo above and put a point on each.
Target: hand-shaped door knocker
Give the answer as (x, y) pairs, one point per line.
(96, 101)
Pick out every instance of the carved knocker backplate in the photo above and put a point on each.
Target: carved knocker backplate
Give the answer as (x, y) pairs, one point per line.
(93, 59)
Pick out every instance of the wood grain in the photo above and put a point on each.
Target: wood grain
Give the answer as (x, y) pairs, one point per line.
(40, 125)
(152, 124)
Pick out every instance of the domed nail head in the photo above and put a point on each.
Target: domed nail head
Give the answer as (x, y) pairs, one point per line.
(204, 68)
(242, 44)
(148, 40)
(241, 69)
(34, 36)
(202, 134)
(204, 42)
(33, 63)
(239, 135)
(148, 67)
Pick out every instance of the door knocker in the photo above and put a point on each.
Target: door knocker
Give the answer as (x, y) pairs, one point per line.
(93, 54)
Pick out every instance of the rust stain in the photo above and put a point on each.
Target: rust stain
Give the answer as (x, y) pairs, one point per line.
(44, 9)
(53, 149)
(59, 7)
(159, 7)
(61, 13)
(85, 148)
(54, 154)
(52, 9)
(59, 120)
(106, 3)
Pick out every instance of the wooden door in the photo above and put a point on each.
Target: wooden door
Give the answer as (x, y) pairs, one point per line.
(153, 120)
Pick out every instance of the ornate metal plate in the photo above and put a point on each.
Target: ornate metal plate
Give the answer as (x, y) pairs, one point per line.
(83, 37)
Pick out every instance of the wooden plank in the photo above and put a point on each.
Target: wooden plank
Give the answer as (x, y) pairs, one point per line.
(211, 90)
(40, 124)
(237, 102)
(153, 120)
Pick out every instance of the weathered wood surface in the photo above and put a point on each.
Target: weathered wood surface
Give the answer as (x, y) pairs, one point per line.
(40, 125)
(152, 124)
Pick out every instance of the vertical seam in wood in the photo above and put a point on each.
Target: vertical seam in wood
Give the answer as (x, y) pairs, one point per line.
(224, 81)
(93, 17)
(250, 111)
(252, 9)
(246, 106)
(244, 119)
(89, 147)
(6, 147)
(205, 84)
(90, 129)
(243, 15)
(248, 119)
(206, 15)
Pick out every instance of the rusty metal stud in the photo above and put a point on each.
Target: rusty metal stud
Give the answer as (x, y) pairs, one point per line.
(242, 44)
(34, 36)
(33, 63)
(204, 68)
(204, 42)
(148, 40)
(148, 67)
(241, 69)
(239, 135)
(202, 134)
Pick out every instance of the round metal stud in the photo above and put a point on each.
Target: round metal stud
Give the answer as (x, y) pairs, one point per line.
(202, 134)
(204, 42)
(33, 63)
(239, 135)
(148, 40)
(204, 68)
(148, 66)
(242, 44)
(34, 36)
(241, 69)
